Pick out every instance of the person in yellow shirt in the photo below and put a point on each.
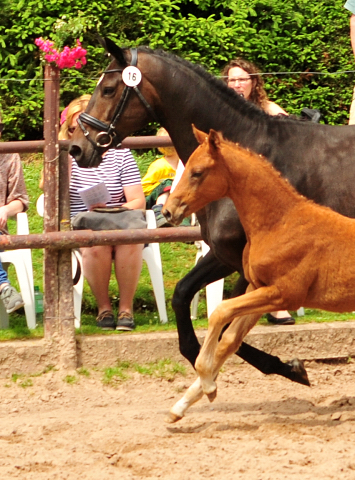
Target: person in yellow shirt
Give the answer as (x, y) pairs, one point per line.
(158, 180)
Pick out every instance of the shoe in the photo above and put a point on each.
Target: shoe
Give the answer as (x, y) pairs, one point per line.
(11, 299)
(125, 322)
(106, 320)
(161, 221)
(280, 321)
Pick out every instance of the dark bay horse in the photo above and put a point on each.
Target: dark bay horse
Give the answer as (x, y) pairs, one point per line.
(297, 252)
(319, 160)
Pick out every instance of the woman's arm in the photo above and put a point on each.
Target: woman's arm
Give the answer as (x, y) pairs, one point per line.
(134, 196)
(273, 108)
(10, 210)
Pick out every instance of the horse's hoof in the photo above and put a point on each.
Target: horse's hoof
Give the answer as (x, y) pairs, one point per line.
(172, 418)
(211, 396)
(299, 372)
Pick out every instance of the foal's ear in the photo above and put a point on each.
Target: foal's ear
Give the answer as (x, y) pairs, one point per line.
(114, 50)
(214, 141)
(199, 134)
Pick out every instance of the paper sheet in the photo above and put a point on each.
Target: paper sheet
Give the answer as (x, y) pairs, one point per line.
(95, 194)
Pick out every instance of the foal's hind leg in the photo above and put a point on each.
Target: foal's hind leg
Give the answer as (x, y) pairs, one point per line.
(248, 308)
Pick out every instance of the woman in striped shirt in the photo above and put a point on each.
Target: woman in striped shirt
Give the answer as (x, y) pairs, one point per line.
(120, 173)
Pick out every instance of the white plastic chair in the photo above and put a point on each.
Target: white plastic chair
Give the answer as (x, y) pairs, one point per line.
(214, 291)
(22, 261)
(151, 255)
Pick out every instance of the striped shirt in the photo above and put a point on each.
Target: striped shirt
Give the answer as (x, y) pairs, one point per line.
(117, 170)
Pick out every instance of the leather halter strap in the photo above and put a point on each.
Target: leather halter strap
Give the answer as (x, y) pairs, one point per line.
(107, 135)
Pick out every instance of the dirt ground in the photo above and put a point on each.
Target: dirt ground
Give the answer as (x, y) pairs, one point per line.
(258, 428)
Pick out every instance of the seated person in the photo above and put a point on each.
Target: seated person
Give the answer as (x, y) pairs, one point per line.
(157, 181)
(120, 173)
(13, 200)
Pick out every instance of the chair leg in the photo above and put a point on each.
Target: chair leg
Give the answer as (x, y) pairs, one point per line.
(27, 292)
(153, 262)
(4, 317)
(214, 295)
(214, 291)
(78, 288)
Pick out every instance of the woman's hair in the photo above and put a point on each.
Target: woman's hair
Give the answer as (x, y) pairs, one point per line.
(258, 94)
(166, 151)
(76, 106)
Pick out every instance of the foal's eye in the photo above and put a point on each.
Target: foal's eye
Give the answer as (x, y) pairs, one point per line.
(196, 174)
(108, 90)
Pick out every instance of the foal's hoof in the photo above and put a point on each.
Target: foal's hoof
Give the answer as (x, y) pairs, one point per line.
(299, 373)
(211, 396)
(172, 418)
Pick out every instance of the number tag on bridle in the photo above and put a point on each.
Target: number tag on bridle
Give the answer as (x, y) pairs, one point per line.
(131, 76)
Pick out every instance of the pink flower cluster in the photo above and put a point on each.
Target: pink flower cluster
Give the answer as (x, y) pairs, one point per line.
(67, 58)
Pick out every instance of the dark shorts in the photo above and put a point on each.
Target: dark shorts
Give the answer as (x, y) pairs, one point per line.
(163, 187)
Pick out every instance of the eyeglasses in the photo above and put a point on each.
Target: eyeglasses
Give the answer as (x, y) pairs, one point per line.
(240, 80)
(1, 127)
(71, 130)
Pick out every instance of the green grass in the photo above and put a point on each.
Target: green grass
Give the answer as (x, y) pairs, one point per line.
(177, 260)
(165, 369)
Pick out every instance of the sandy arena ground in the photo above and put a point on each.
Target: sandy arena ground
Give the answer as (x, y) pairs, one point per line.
(258, 428)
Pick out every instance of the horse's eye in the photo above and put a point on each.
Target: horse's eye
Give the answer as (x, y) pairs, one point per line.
(108, 90)
(196, 174)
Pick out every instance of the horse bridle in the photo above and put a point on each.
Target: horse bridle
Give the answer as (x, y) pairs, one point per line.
(107, 135)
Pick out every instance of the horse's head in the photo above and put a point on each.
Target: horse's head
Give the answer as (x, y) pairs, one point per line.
(203, 181)
(107, 120)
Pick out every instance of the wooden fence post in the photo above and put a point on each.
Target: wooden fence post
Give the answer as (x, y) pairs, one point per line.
(58, 289)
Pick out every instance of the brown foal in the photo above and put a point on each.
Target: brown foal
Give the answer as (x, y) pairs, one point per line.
(297, 252)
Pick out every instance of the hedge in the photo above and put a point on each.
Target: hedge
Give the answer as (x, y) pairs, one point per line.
(279, 35)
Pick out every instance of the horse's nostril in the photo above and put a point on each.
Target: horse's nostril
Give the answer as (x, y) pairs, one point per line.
(75, 151)
(166, 214)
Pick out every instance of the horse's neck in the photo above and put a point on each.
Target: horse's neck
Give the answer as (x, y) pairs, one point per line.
(186, 99)
(261, 197)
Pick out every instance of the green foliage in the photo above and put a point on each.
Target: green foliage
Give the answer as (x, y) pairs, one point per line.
(279, 35)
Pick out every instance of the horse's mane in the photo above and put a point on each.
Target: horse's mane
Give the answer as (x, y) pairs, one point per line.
(228, 94)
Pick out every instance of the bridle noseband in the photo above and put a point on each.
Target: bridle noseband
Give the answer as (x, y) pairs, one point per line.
(107, 135)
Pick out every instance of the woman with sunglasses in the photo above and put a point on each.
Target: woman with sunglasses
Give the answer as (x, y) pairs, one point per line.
(245, 79)
(121, 176)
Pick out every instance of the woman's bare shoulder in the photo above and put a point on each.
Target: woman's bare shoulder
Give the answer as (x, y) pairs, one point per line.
(273, 108)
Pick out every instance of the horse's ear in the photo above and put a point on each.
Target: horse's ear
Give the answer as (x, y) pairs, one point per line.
(114, 50)
(199, 134)
(214, 141)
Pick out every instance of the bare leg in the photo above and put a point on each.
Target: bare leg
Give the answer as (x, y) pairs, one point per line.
(97, 263)
(128, 266)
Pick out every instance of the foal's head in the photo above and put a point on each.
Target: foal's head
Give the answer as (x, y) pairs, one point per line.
(204, 180)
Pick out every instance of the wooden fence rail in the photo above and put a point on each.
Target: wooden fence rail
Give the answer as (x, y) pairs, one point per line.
(57, 240)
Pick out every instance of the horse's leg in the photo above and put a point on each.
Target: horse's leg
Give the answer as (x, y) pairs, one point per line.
(207, 270)
(193, 393)
(265, 362)
(254, 301)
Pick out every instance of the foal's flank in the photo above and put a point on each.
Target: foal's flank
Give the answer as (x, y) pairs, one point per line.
(297, 252)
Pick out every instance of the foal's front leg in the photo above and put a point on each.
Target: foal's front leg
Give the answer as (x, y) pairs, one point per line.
(250, 306)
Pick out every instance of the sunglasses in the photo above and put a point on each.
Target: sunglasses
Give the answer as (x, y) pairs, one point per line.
(1, 127)
(71, 130)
